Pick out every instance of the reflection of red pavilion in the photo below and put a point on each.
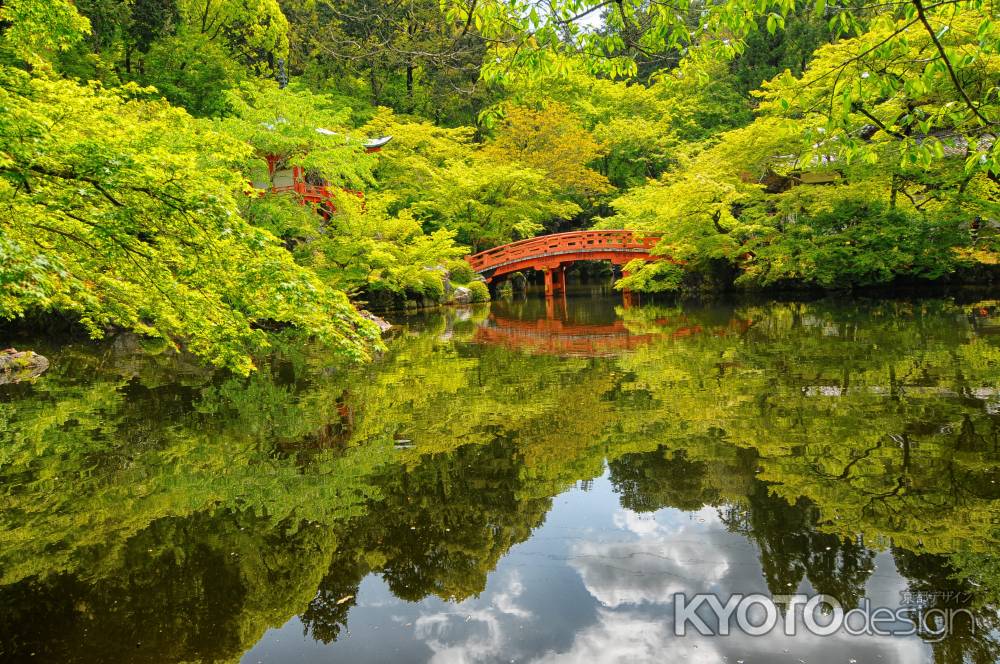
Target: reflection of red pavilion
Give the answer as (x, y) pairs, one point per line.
(985, 317)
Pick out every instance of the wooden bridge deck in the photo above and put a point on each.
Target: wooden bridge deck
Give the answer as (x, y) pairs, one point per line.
(551, 253)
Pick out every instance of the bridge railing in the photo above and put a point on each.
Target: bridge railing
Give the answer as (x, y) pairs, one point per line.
(562, 243)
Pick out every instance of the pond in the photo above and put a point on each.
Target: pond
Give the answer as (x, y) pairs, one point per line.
(566, 481)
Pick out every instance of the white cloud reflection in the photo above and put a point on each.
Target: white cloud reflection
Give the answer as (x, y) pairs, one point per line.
(632, 572)
(663, 558)
(628, 637)
(635, 577)
(624, 636)
(466, 634)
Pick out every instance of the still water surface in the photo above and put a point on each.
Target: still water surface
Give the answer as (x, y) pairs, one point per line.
(512, 483)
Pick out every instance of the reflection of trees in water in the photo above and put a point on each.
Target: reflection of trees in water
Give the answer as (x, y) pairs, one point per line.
(934, 577)
(652, 480)
(797, 543)
(196, 510)
(445, 523)
(442, 526)
(206, 586)
(327, 612)
(792, 545)
(187, 589)
(793, 548)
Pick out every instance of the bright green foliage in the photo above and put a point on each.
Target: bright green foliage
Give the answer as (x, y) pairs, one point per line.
(853, 174)
(639, 127)
(362, 245)
(631, 29)
(299, 128)
(488, 203)
(246, 27)
(363, 249)
(484, 196)
(632, 125)
(460, 272)
(124, 213)
(894, 79)
(811, 427)
(192, 51)
(529, 39)
(869, 155)
(694, 204)
(39, 29)
(550, 141)
(480, 291)
(418, 154)
(899, 115)
(193, 72)
(855, 243)
(702, 99)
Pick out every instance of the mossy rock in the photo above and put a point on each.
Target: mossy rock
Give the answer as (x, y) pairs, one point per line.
(17, 366)
(461, 295)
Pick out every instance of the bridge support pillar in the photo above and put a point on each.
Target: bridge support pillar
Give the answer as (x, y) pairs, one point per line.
(555, 280)
(627, 299)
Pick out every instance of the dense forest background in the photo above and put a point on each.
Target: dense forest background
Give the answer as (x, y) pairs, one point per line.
(771, 143)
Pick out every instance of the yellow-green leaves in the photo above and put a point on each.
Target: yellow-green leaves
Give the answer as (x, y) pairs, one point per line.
(488, 203)
(445, 181)
(551, 140)
(870, 165)
(931, 93)
(40, 28)
(299, 128)
(124, 212)
(244, 25)
(369, 245)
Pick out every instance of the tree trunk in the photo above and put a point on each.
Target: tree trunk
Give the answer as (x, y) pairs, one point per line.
(373, 79)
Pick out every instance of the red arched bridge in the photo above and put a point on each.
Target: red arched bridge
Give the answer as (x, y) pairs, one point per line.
(551, 254)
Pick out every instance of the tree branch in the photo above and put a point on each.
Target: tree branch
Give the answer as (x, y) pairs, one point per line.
(921, 14)
(878, 123)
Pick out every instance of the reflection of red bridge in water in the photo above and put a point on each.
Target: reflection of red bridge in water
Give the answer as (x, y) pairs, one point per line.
(557, 337)
(553, 336)
(551, 253)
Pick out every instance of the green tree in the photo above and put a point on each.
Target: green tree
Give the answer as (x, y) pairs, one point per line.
(551, 141)
(407, 56)
(443, 180)
(363, 245)
(124, 213)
